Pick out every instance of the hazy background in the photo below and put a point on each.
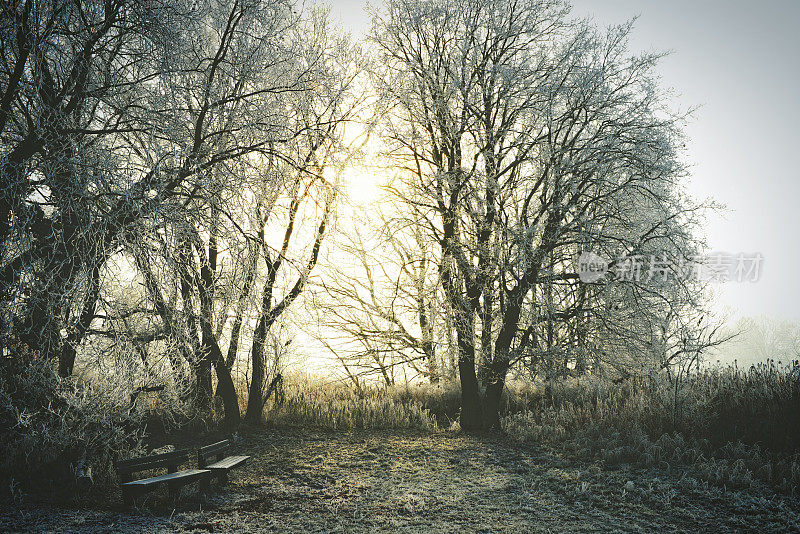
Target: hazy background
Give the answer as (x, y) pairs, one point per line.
(740, 62)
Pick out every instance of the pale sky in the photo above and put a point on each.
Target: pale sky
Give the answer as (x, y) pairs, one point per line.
(740, 61)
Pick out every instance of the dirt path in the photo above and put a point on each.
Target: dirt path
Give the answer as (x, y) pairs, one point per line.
(305, 481)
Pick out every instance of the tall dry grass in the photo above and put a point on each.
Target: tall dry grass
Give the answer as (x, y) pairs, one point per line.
(307, 401)
(731, 426)
(725, 426)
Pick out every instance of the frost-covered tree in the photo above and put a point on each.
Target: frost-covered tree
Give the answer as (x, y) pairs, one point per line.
(155, 149)
(379, 303)
(525, 138)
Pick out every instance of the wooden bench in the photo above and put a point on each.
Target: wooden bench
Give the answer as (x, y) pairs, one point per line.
(173, 479)
(214, 458)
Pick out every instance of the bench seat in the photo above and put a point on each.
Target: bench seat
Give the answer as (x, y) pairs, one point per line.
(227, 463)
(214, 458)
(174, 478)
(185, 475)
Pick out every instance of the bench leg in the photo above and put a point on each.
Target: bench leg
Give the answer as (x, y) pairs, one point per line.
(127, 497)
(223, 477)
(174, 493)
(205, 484)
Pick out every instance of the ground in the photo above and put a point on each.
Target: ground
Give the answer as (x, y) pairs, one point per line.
(313, 481)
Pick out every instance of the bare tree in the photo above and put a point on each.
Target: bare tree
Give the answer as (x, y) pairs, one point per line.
(379, 301)
(69, 78)
(306, 173)
(530, 137)
(172, 139)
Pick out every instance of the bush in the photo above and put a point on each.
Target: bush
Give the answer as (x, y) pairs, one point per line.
(54, 425)
(442, 400)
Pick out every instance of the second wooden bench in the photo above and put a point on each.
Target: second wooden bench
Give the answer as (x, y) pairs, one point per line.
(214, 458)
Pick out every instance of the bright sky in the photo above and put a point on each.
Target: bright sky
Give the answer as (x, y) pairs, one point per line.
(740, 61)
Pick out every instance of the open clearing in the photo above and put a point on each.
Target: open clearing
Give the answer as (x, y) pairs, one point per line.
(314, 481)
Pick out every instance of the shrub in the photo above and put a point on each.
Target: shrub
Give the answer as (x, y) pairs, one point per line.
(442, 400)
(53, 425)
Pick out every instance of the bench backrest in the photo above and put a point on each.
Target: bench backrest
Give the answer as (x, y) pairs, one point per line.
(170, 460)
(209, 452)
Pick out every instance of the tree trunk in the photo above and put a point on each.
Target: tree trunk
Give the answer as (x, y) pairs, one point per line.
(233, 346)
(225, 386)
(200, 362)
(210, 352)
(270, 313)
(471, 409)
(496, 381)
(66, 362)
(204, 388)
(254, 414)
(427, 341)
(494, 392)
(486, 310)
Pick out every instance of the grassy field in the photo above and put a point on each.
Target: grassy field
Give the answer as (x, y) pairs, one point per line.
(363, 481)
(578, 455)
